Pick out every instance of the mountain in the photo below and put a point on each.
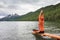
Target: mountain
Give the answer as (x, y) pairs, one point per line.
(10, 17)
(52, 13)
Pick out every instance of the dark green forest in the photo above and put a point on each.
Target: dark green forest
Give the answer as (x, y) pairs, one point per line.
(52, 13)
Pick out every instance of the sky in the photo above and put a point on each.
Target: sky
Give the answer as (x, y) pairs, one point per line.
(22, 7)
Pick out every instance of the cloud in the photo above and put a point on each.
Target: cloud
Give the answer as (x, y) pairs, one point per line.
(1, 17)
(23, 6)
(3, 14)
(12, 7)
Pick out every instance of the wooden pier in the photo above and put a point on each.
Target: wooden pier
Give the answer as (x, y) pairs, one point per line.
(54, 36)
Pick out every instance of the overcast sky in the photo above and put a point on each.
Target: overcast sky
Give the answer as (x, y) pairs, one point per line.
(23, 6)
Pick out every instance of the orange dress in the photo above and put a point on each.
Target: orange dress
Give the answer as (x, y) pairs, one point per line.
(41, 23)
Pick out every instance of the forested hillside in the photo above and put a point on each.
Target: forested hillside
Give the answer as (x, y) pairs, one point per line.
(52, 13)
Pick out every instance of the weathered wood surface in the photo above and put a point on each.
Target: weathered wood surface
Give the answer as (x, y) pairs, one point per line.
(48, 34)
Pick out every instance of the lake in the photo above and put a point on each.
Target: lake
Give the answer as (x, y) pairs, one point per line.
(22, 30)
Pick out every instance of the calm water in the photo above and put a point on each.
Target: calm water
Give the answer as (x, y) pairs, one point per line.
(22, 30)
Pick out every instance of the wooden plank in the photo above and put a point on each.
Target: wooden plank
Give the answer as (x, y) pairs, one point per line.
(47, 34)
(50, 35)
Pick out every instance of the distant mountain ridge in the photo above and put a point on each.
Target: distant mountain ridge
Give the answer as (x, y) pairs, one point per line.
(9, 17)
(52, 13)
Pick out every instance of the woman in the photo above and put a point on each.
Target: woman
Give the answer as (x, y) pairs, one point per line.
(41, 22)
